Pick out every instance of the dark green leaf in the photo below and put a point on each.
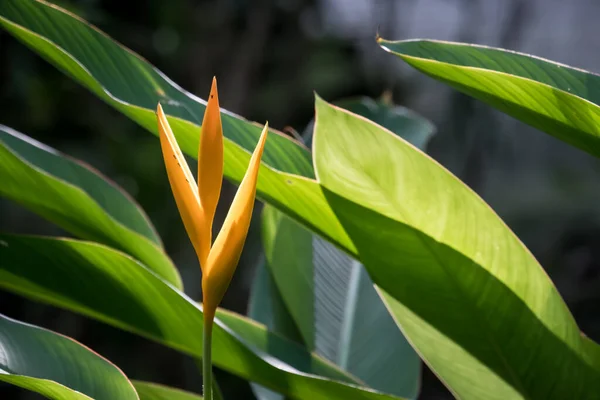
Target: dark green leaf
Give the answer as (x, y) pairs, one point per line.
(56, 366)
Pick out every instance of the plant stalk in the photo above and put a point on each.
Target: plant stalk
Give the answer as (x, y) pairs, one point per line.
(207, 358)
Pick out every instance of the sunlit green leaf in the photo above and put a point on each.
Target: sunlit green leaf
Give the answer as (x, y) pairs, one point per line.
(468, 295)
(555, 98)
(78, 199)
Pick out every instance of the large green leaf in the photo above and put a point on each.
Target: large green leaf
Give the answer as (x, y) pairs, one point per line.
(468, 295)
(56, 366)
(108, 285)
(318, 290)
(331, 299)
(133, 86)
(79, 199)
(558, 99)
(153, 391)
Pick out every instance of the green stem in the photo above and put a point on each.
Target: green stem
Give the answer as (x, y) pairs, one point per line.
(207, 358)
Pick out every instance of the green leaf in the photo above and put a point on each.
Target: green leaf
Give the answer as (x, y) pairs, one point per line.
(133, 86)
(400, 120)
(108, 285)
(56, 366)
(468, 295)
(266, 305)
(403, 122)
(555, 98)
(153, 391)
(328, 295)
(289, 260)
(78, 199)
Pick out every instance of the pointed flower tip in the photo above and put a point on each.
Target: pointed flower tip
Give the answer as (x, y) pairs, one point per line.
(160, 114)
(263, 138)
(258, 151)
(162, 119)
(214, 93)
(210, 159)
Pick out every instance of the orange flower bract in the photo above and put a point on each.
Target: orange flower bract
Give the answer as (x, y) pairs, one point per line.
(197, 203)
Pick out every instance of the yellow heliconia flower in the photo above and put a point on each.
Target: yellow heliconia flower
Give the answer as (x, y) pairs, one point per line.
(197, 203)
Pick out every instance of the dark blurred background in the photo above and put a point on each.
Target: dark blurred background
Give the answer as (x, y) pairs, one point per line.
(269, 57)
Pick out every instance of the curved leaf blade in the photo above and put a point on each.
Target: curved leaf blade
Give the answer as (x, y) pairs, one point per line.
(555, 98)
(492, 324)
(78, 199)
(127, 82)
(107, 285)
(56, 366)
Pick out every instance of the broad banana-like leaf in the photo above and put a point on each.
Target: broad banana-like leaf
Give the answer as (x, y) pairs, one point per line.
(466, 292)
(56, 366)
(555, 98)
(77, 198)
(110, 286)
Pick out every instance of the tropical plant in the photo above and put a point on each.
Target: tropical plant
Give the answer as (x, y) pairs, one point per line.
(375, 256)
